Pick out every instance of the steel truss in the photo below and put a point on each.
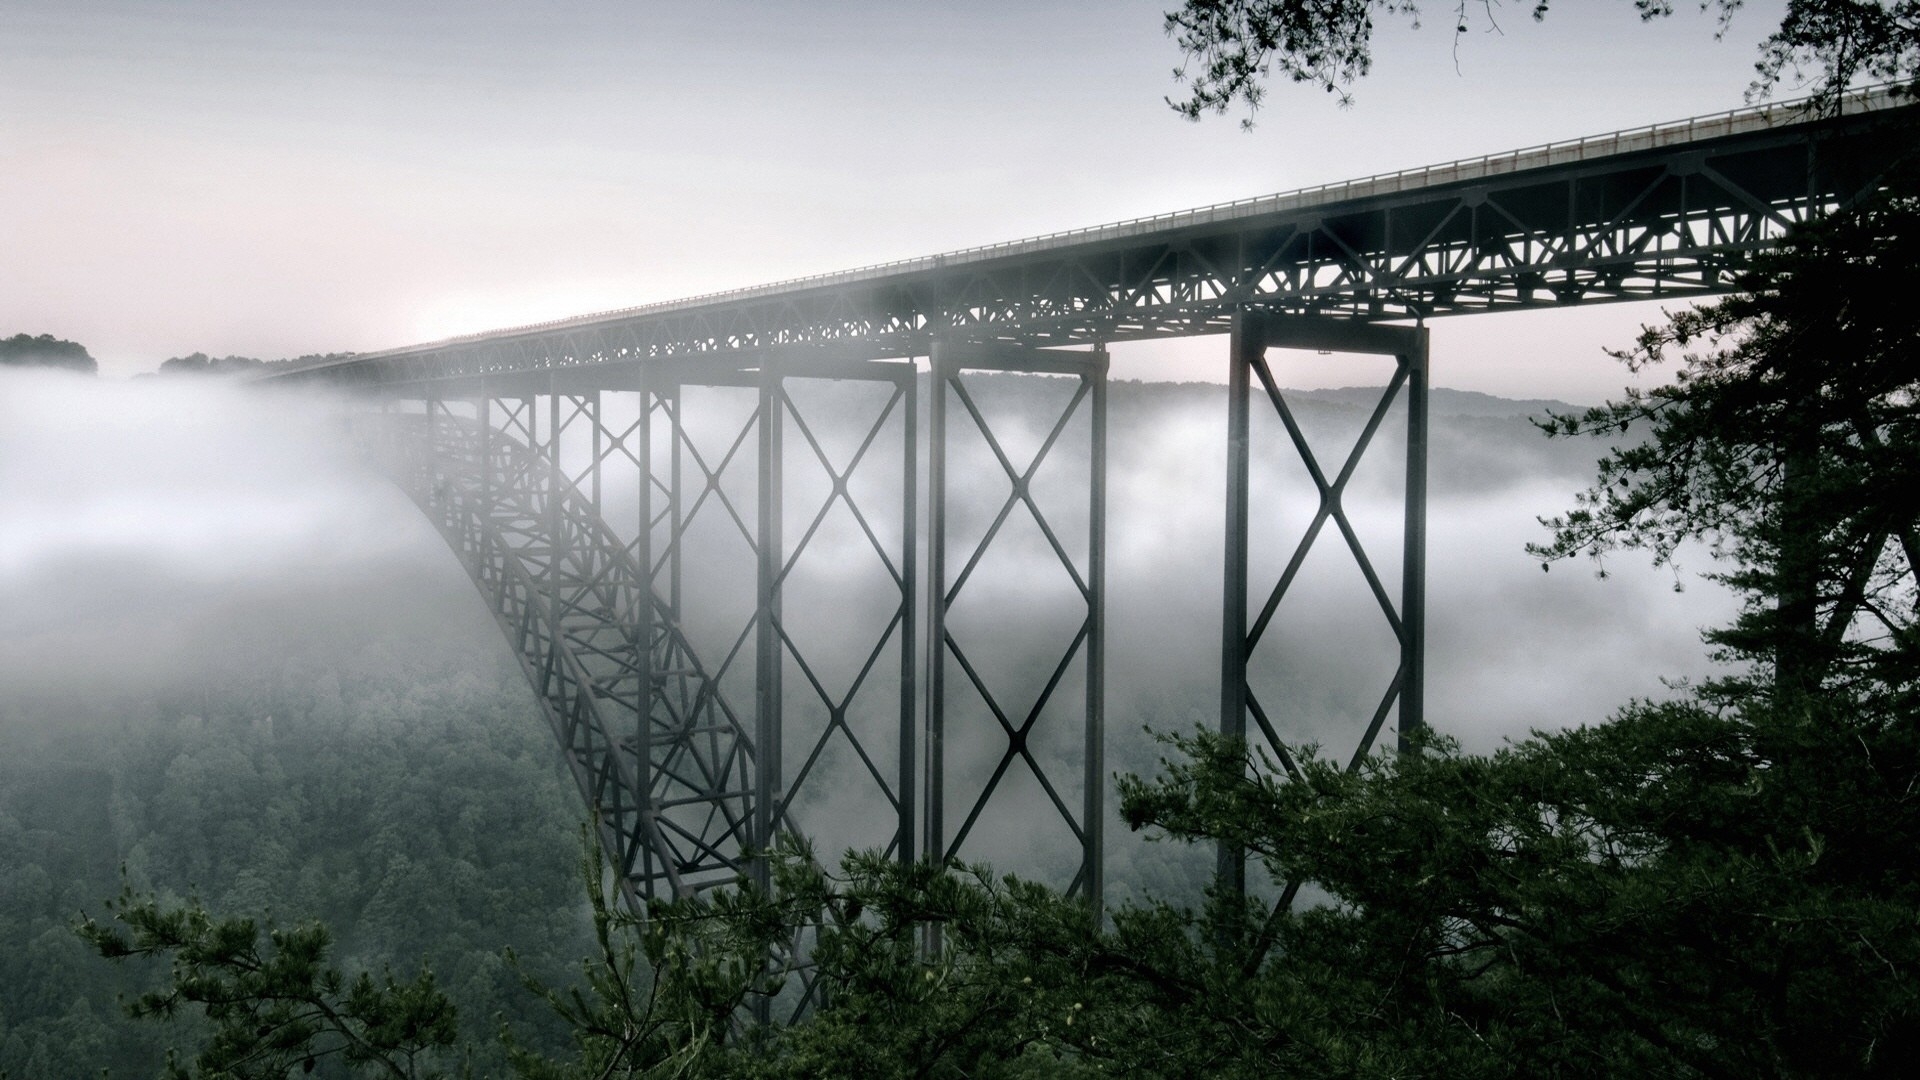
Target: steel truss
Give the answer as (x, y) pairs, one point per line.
(688, 797)
(1016, 720)
(687, 789)
(598, 651)
(1676, 210)
(778, 437)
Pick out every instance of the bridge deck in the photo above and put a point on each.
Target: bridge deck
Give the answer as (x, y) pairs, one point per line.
(1653, 211)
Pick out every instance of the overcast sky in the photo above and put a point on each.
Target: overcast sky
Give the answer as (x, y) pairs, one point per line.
(278, 177)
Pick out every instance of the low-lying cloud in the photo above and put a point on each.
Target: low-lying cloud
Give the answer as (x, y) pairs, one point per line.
(153, 532)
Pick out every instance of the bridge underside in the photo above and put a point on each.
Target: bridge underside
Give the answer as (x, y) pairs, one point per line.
(718, 587)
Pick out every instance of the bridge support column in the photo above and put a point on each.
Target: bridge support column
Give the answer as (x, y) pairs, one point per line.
(1413, 576)
(834, 679)
(1018, 723)
(1253, 333)
(706, 802)
(1247, 349)
(768, 663)
(839, 702)
(832, 752)
(643, 623)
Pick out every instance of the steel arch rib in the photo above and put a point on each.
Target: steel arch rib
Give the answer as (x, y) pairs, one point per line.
(569, 599)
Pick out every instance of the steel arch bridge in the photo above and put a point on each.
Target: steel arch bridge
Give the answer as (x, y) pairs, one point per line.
(642, 496)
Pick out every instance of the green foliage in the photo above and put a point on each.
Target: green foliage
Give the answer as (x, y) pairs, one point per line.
(1231, 48)
(917, 970)
(1683, 891)
(273, 1001)
(1677, 892)
(1842, 43)
(393, 790)
(902, 970)
(703, 960)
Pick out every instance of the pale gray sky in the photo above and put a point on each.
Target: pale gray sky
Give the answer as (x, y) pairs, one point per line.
(272, 177)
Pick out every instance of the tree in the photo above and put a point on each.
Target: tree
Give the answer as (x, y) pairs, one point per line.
(1231, 48)
(937, 971)
(201, 364)
(1681, 891)
(1789, 442)
(662, 996)
(274, 1002)
(47, 351)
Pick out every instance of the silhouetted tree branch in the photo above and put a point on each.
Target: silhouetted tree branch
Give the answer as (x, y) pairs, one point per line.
(1231, 49)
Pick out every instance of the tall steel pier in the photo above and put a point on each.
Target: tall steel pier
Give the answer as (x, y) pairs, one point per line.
(735, 546)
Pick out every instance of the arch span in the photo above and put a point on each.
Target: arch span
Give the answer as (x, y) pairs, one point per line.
(664, 761)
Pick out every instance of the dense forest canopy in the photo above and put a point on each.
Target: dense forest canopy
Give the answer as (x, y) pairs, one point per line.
(399, 790)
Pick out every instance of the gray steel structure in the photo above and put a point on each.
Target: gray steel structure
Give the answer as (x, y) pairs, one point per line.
(693, 754)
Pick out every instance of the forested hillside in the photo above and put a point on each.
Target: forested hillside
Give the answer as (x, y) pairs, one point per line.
(404, 792)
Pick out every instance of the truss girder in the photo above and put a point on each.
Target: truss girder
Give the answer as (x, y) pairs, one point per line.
(776, 436)
(688, 788)
(1678, 219)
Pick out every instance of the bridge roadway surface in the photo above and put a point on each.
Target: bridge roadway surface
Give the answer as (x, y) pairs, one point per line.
(560, 463)
(1675, 208)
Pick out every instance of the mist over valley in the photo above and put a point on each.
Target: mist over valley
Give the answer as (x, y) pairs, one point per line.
(236, 661)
